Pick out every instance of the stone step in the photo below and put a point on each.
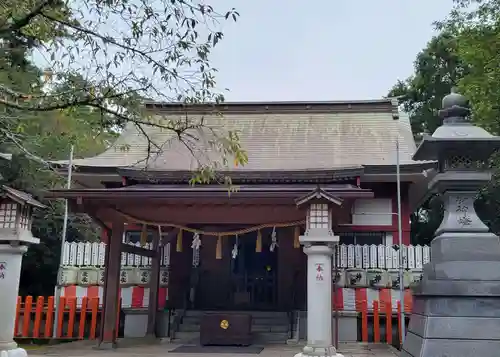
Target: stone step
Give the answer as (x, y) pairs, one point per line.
(255, 320)
(270, 321)
(182, 337)
(255, 314)
(189, 327)
(270, 337)
(269, 328)
(257, 337)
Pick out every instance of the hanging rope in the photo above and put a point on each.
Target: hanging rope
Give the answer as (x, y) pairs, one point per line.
(213, 234)
(178, 246)
(258, 243)
(234, 252)
(196, 242)
(218, 248)
(296, 237)
(274, 241)
(144, 235)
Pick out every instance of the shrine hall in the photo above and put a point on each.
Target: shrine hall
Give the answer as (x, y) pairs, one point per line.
(310, 164)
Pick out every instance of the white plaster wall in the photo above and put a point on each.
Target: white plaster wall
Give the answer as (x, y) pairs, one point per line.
(389, 239)
(372, 212)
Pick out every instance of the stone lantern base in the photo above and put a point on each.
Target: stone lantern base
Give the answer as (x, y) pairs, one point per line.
(14, 352)
(456, 309)
(10, 272)
(312, 351)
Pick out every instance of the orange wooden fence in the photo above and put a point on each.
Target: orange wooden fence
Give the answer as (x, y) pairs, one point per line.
(386, 311)
(36, 318)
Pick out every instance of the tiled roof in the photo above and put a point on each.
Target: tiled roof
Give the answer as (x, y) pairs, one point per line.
(20, 196)
(289, 141)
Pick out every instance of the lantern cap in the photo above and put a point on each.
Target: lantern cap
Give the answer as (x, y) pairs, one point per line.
(457, 134)
(21, 197)
(318, 194)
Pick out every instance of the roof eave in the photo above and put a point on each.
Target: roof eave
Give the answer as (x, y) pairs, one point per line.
(318, 194)
(21, 197)
(375, 105)
(207, 191)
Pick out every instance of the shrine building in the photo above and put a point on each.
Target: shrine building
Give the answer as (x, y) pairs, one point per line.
(241, 251)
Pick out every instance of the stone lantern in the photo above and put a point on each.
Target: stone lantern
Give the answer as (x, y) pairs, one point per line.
(457, 303)
(16, 209)
(318, 241)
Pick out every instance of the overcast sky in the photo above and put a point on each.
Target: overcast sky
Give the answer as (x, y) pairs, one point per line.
(321, 49)
(317, 49)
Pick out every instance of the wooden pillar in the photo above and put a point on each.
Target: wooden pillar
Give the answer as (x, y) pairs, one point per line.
(154, 284)
(109, 315)
(180, 270)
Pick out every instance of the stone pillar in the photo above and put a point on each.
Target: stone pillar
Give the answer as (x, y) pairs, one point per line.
(10, 273)
(319, 300)
(456, 310)
(15, 235)
(318, 241)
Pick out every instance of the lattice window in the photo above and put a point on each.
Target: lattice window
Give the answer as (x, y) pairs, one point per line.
(135, 237)
(319, 216)
(25, 217)
(362, 238)
(462, 162)
(8, 215)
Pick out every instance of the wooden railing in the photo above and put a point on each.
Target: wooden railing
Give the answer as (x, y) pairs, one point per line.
(35, 318)
(88, 254)
(383, 323)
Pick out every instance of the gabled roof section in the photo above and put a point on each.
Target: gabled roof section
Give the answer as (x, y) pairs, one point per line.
(278, 136)
(318, 194)
(21, 197)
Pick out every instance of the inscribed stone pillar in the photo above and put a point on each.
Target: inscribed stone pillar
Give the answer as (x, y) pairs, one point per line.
(318, 241)
(319, 295)
(16, 208)
(456, 310)
(10, 273)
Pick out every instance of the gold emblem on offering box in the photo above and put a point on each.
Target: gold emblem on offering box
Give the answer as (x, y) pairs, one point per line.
(224, 324)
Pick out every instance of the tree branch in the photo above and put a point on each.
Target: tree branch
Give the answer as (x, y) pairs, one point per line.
(20, 146)
(24, 21)
(112, 41)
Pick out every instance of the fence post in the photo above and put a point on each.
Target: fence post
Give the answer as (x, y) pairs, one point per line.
(71, 317)
(18, 316)
(49, 317)
(60, 316)
(38, 316)
(93, 318)
(399, 323)
(388, 322)
(27, 316)
(376, 322)
(364, 321)
(83, 316)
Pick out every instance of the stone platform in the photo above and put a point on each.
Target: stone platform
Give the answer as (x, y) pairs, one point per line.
(86, 349)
